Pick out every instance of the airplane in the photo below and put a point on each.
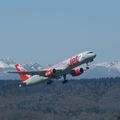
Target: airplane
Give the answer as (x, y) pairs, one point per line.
(70, 66)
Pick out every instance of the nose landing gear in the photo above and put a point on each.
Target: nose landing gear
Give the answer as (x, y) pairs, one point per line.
(87, 66)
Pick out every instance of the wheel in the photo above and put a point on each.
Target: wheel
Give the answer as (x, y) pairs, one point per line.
(49, 82)
(65, 81)
(87, 67)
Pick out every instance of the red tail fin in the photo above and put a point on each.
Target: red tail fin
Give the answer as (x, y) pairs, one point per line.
(19, 68)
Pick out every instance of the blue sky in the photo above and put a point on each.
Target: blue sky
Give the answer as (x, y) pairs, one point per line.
(48, 31)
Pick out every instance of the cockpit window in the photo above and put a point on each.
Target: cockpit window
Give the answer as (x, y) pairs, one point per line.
(90, 52)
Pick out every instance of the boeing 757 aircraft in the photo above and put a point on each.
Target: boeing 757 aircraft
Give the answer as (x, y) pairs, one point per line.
(70, 66)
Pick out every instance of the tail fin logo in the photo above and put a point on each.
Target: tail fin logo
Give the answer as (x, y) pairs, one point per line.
(21, 69)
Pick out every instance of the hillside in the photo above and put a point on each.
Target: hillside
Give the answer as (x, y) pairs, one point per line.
(93, 99)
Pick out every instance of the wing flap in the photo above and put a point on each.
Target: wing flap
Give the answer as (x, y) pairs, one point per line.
(41, 73)
(22, 71)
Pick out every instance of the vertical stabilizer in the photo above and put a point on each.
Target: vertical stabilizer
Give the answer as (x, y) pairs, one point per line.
(23, 77)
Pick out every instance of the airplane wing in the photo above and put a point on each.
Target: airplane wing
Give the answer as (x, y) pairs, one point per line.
(45, 72)
(41, 73)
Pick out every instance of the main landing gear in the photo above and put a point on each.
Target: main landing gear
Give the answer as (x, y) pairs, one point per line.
(87, 67)
(49, 82)
(65, 81)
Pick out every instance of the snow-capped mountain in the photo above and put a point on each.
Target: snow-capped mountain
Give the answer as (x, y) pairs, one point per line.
(98, 70)
(6, 63)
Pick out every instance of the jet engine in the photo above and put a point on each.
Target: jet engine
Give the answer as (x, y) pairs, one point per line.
(77, 71)
(50, 72)
(33, 80)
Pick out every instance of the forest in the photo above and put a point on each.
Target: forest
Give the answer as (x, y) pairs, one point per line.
(85, 99)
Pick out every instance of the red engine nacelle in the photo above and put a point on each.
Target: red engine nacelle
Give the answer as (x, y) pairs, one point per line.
(50, 72)
(77, 71)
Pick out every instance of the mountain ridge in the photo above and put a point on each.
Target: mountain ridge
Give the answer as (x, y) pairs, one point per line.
(97, 70)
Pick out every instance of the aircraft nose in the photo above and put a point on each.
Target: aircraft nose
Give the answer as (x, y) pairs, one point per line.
(94, 55)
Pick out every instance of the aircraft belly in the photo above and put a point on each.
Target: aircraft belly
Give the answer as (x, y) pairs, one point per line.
(35, 79)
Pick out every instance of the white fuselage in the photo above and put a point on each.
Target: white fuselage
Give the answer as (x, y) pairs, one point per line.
(83, 58)
(63, 68)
